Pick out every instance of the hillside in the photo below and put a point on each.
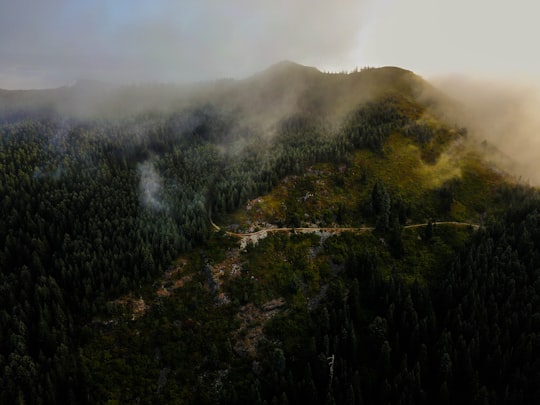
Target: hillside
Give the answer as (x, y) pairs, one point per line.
(294, 235)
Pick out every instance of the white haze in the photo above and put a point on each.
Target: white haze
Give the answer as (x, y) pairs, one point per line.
(53, 43)
(504, 112)
(150, 185)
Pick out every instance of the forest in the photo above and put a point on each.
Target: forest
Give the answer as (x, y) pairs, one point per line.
(97, 208)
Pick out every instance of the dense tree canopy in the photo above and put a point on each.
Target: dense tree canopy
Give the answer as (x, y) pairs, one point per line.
(95, 208)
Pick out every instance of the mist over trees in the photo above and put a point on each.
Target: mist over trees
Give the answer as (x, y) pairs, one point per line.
(94, 207)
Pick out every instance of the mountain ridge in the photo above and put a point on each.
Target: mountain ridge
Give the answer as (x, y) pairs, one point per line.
(394, 239)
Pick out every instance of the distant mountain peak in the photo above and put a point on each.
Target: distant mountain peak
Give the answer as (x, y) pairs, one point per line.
(286, 68)
(289, 64)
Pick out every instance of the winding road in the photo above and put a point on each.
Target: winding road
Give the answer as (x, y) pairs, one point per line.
(264, 232)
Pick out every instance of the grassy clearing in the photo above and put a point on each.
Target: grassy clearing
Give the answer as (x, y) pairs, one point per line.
(446, 168)
(457, 186)
(479, 183)
(398, 168)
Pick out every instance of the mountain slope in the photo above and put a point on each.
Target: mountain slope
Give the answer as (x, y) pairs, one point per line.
(284, 281)
(123, 290)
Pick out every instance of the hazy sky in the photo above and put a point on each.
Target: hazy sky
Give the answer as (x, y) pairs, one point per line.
(55, 42)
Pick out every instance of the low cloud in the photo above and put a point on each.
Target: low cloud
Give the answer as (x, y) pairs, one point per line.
(150, 185)
(503, 112)
(164, 40)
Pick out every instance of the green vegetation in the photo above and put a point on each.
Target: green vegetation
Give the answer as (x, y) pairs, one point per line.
(417, 281)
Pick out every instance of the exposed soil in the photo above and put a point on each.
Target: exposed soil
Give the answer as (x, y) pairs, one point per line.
(252, 320)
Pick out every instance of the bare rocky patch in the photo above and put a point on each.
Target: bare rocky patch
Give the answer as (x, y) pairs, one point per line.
(252, 320)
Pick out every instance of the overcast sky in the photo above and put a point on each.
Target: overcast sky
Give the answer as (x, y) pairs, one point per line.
(55, 42)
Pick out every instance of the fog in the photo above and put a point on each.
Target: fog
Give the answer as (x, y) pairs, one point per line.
(54, 43)
(57, 42)
(502, 111)
(150, 185)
